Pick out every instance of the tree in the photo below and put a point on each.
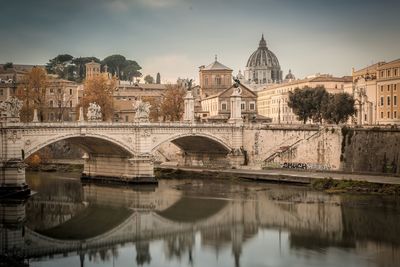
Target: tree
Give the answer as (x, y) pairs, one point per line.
(32, 91)
(158, 78)
(307, 103)
(172, 103)
(99, 89)
(301, 103)
(319, 95)
(62, 66)
(8, 65)
(121, 67)
(115, 63)
(337, 108)
(149, 79)
(131, 70)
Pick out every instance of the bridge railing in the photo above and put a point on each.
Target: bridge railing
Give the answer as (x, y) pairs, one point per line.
(110, 124)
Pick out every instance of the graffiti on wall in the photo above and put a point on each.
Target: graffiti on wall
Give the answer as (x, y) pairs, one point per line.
(305, 166)
(298, 166)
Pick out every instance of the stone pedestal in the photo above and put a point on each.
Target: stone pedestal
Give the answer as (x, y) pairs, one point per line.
(188, 115)
(236, 109)
(12, 179)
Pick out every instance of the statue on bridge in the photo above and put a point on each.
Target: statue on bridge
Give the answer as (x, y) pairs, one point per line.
(94, 112)
(237, 90)
(10, 109)
(142, 110)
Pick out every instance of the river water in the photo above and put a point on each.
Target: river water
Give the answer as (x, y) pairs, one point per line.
(196, 223)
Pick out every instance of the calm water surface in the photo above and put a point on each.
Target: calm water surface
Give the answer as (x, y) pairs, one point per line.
(197, 223)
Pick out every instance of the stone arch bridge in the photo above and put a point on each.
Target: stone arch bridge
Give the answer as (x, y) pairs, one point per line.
(118, 150)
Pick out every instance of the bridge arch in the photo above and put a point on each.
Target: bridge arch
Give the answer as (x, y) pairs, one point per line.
(91, 143)
(196, 142)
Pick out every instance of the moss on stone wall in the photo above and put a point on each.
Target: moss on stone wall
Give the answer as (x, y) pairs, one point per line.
(338, 186)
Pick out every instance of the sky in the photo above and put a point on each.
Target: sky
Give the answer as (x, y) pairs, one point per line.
(175, 37)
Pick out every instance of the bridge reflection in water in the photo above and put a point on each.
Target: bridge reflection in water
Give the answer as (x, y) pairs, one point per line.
(182, 221)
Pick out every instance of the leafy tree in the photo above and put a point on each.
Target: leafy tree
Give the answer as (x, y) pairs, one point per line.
(32, 91)
(121, 67)
(307, 103)
(172, 103)
(62, 66)
(115, 63)
(99, 89)
(319, 94)
(337, 108)
(131, 70)
(8, 65)
(301, 103)
(149, 79)
(158, 78)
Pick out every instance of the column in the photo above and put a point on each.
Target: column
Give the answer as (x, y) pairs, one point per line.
(236, 110)
(188, 115)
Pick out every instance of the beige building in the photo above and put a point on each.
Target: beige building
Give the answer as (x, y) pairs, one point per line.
(62, 98)
(388, 87)
(214, 78)
(273, 100)
(92, 69)
(126, 94)
(218, 107)
(364, 92)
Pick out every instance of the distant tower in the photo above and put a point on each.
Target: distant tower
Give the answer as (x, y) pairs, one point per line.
(158, 78)
(92, 69)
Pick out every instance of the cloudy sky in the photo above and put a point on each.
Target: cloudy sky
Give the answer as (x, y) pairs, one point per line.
(175, 37)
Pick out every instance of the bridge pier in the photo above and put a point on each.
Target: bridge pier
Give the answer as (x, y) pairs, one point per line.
(12, 166)
(137, 169)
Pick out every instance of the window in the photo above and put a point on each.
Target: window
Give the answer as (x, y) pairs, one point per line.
(218, 80)
(381, 88)
(1, 91)
(70, 91)
(382, 101)
(382, 74)
(126, 118)
(51, 90)
(365, 117)
(388, 100)
(206, 81)
(395, 87)
(381, 115)
(59, 90)
(243, 105)
(395, 114)
(252, 106)
(59, 103)
(395, 100)
(70, 104)
(51, 103)
(224, 106)
(388, 73)
(395, 72)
